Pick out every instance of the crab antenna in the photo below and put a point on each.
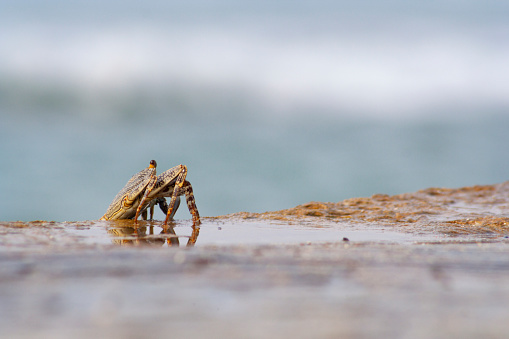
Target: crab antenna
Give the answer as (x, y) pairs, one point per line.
(153, 164)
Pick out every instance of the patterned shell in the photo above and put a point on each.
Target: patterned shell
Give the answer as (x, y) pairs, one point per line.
(130, 192)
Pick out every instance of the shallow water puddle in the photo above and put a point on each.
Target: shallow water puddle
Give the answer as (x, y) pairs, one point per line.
(232, 232)
(211, 232)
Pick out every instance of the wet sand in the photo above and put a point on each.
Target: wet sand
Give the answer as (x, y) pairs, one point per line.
(430, 264)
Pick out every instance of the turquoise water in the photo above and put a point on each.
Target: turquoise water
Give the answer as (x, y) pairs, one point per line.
(269, 104)
(65, 169)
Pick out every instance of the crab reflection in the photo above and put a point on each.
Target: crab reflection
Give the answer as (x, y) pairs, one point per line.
(129, 235)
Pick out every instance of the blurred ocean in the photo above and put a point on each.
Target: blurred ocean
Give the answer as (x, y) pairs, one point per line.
(270, 104)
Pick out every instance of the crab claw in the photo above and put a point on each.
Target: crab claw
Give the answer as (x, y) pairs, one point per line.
(163, 205)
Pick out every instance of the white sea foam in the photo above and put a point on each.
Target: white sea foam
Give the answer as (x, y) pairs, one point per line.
(386, 72)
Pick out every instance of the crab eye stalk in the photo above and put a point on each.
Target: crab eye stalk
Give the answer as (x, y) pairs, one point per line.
(153, 164)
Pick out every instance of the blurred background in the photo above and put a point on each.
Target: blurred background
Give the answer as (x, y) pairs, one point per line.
(270, 104)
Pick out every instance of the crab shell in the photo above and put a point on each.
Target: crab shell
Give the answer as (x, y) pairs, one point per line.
(126, 202)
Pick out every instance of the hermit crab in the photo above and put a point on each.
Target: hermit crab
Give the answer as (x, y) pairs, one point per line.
(146, 189)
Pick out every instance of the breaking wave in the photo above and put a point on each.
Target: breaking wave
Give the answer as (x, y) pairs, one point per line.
(242, 69)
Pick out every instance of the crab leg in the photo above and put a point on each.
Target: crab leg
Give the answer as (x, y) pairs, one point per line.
(164, 207)
(149, 189)
(171, 206)
(187, 190)
(191, 203)
(179, 182)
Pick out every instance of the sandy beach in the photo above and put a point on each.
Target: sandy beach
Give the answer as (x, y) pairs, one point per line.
(434, 263)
